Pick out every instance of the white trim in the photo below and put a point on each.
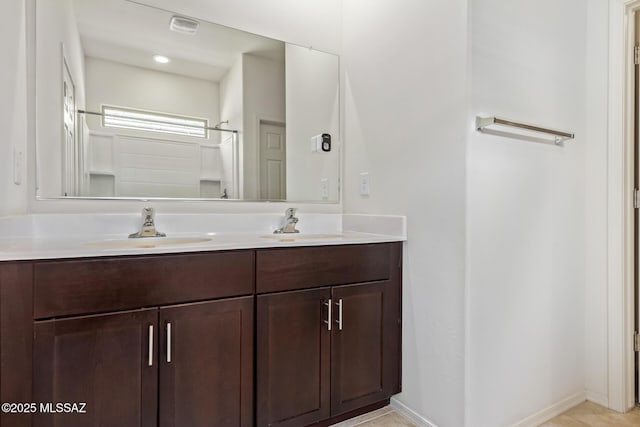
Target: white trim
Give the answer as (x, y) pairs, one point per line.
(412, 415)
(32, 181)
(64, 70)
(620, 209)
(549, 412)
(598, 398)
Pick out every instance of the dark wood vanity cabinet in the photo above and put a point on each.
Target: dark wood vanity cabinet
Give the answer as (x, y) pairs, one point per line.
(327, 351)
(16, 339)
(108, 362)
(198, 358)
(365, 346)
(166, 365)
(303, 336)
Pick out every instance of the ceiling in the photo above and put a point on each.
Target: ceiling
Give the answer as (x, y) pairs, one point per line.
(131, 33)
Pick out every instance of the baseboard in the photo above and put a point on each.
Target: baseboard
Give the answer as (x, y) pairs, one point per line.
(409, 413)
(549, 412)
(599, 398)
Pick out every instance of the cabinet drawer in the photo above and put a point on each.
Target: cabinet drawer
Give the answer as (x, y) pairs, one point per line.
(73, 287)
(308, 267)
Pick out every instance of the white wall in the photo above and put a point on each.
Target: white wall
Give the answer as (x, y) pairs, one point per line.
(525, 202)
(56, 26)
(314, 23)
(263, 83)
(595, 332)
(313, 107)
(13, 107)
(406, 122)
(122, 85)
(526, 212)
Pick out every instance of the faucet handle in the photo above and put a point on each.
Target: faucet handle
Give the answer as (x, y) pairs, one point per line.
(148, 215)
(291, 212)
(290, 222)
(148, 228)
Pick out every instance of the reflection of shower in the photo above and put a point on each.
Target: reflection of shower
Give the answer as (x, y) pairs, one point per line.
(224, 122)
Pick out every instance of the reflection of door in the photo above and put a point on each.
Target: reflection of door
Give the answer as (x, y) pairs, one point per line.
(636, 215)
(69, 156)
(272, 161)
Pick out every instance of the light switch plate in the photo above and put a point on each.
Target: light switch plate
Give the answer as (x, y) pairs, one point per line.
(324, 188)
(316, 144)
(365, 185)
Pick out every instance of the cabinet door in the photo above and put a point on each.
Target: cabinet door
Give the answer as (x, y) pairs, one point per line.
(206, 364)
(293, 358)
(364, 344)
(108, 362)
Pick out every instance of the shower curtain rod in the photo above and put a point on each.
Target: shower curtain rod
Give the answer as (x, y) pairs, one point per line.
(93, 113)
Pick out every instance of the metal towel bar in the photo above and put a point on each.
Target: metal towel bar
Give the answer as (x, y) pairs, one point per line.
(559, 136)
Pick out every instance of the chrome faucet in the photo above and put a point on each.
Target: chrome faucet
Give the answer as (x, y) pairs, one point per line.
(290, 221)
(148, 228)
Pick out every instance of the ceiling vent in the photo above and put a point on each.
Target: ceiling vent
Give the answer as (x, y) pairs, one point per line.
(183, 25)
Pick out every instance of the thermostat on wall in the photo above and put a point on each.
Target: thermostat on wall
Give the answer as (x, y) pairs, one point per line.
(321, 143)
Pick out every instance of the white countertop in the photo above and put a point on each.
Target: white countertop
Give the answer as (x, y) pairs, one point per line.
(28, 241)
(54, 248)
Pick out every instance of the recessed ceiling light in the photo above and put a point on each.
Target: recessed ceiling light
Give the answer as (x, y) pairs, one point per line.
(161, 59)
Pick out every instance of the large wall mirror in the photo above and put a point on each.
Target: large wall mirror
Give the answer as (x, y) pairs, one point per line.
(138, 102)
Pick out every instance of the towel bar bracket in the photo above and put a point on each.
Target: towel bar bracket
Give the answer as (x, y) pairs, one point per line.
(559, 136)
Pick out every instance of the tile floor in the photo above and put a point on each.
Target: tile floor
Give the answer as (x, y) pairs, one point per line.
(390, 419)
(384, 417)
(587, 414)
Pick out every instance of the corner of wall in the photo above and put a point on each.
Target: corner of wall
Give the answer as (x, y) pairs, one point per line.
(14, 108)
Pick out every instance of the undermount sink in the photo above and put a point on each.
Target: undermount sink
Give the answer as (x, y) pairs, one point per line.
(147, 242)
(292, 237)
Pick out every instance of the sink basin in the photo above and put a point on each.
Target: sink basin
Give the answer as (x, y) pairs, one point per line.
(294, 237)
(147, 242)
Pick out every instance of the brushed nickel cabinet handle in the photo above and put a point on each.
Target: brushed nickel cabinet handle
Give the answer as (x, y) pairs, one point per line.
(339, 321)
(150, 345)
(169, 342)
(328, 321)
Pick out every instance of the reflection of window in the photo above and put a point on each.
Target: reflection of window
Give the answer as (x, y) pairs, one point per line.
(127, 118)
